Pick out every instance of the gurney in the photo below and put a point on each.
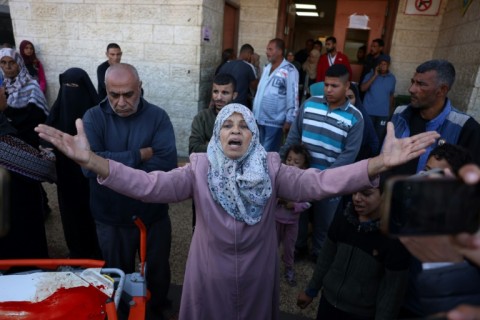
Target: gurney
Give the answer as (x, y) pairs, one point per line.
(71, 289)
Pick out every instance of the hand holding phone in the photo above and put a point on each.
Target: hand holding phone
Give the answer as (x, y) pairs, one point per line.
(430, 206)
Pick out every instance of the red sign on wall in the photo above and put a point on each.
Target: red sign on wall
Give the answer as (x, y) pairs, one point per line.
(422, 7)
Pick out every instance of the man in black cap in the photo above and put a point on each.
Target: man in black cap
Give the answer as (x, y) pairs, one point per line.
(379, 87)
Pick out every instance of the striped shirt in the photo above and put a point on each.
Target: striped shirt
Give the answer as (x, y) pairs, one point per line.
(327, 134)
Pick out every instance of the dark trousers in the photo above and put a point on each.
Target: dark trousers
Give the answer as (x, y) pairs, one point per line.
(26, 237)
(323, 213)
(380, 125)
(119, 246)
(270, 137)
(73, 193)
(328, 311)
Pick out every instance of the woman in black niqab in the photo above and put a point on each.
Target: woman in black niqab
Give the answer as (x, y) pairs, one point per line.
(76, 95)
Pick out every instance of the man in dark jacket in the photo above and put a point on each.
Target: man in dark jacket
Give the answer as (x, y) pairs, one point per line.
(126, 128)
(440, 277)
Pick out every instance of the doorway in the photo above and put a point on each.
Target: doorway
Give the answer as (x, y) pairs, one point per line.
(333, 19)
(230, 26)
(6, 28)
(317, 28)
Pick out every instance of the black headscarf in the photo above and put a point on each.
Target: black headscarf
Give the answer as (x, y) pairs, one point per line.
(76, 95)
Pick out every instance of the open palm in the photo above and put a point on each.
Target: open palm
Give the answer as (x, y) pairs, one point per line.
(75, 147)
(398, 151)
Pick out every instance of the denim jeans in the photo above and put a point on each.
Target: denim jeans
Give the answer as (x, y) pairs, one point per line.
(270, 138)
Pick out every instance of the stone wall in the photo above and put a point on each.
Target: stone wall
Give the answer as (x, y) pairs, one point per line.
(450, 35)
(459, 42)
(164, 39)
(161, 38)
(414, 40)
(258, 23)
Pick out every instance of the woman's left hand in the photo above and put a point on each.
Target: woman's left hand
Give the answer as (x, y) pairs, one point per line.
(398, 151)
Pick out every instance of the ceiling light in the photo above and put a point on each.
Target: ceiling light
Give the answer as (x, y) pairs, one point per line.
(307, 14)
(305, 6)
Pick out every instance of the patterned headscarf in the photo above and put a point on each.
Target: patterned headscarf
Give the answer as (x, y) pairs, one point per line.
(22, 89)
(242, 186)
(310, 66)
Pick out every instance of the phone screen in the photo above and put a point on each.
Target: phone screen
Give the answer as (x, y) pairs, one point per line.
(428, 206)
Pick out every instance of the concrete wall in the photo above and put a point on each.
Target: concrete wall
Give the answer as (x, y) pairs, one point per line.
(414, 41)
(258, 23)
(161, 38)
(450, 35)
(459, 42)
(164, 39)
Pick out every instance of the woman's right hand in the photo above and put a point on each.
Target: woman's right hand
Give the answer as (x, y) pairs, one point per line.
(76, 147)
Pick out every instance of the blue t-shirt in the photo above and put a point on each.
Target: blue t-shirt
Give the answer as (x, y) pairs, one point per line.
(377, 97)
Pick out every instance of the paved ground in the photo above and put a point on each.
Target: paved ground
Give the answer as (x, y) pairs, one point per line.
(180, 214)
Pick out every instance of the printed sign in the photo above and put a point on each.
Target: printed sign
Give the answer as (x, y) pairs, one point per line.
(422, 7)
(357, 21)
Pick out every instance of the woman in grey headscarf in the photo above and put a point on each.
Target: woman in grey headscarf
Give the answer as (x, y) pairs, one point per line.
(232, 268)
(25, 106)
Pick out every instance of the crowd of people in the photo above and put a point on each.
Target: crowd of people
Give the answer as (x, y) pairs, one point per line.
(270, 159)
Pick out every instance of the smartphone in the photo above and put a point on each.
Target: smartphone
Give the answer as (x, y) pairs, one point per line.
(430, 206)
(4, 202)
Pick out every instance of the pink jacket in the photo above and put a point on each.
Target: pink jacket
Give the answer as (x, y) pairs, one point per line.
(232, 268)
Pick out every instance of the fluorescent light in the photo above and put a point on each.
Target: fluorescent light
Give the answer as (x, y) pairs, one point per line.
(307, 14)
(305, 6)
